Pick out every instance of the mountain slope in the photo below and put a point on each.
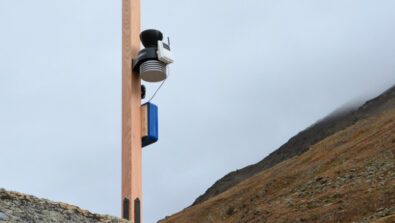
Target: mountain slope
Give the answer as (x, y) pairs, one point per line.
(347, 177)
(17, 207)
(302, 141)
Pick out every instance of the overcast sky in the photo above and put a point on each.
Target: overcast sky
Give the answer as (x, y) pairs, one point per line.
(248, 76)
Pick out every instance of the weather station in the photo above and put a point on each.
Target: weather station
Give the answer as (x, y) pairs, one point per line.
(151, 65)
(139, 122)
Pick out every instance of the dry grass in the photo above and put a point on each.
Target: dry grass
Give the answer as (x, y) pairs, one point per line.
(347, 177)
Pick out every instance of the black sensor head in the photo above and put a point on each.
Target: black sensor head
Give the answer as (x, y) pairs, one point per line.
(150, 38)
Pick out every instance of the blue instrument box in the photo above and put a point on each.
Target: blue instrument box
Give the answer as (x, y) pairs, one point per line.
(149, 117)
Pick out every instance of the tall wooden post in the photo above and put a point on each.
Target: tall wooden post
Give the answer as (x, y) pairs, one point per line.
(131, 113)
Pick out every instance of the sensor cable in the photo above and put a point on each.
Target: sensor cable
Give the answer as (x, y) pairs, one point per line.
(168, 75)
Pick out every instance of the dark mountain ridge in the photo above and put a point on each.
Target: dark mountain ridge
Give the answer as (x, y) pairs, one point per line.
(302, 141)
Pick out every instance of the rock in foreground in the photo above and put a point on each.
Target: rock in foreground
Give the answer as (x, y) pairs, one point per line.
(17, 207)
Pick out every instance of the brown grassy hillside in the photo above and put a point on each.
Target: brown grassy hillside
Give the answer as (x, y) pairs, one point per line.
(347, 177)
(300, 143)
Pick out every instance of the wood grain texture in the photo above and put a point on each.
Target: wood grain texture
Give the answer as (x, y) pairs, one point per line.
(131, 105)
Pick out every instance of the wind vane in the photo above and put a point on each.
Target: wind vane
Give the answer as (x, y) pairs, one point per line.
(139, 122)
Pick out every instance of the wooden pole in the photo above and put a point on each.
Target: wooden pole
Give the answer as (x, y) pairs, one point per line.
(131, 114)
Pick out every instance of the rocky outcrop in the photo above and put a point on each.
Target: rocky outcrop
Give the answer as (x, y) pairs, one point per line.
(17, 207)
(303, 141)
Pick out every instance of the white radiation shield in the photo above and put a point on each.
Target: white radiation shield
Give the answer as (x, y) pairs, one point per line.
(153, 71)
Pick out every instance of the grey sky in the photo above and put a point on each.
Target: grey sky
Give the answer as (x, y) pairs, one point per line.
(248, 75)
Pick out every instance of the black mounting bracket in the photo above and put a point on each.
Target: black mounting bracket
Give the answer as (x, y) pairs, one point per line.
(126, 204)
(137, 217)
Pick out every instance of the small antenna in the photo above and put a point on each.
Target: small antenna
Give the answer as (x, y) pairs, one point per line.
(168, 41)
